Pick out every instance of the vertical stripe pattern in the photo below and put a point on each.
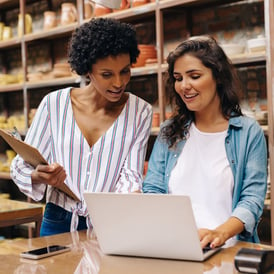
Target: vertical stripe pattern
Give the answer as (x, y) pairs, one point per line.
(114, 163)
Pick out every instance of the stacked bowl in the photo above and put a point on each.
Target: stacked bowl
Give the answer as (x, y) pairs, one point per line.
(146, 52)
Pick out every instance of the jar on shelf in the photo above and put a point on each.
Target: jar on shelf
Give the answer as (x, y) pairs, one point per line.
(50, 20)
(136, 3)
(100, 10)
(88, 9)
(68, 13)
(28, 24)
(1, 30)
(7, 33)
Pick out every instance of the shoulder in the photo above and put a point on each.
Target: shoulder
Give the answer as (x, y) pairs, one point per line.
(244, 122)
(139, 104)
(56, 97)
(60, 93)
(245, 126)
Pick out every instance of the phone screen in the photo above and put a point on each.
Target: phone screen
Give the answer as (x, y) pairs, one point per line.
(44, 251)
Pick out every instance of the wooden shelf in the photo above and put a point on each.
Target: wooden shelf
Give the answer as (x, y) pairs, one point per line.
(9, 3)
(42, 83)
(52, 33)
(54, 82)
(5, 175)
(133, 12)
(156, 12)
(154, 131)
(147, 70)
(164, 4)
(11, 87)
(267, 204)
(10, 43)
(247, 58)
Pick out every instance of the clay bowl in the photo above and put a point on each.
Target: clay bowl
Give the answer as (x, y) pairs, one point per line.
(147, 49)
(136, 3)
(151, 61)
(149, 54)
(146, 52)
(140, 62)
(146, 46)
(100, 10)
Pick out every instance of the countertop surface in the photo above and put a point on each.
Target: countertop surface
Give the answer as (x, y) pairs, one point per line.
(86, 257)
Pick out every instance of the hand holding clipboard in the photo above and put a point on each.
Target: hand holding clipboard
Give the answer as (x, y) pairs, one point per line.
(32, 156)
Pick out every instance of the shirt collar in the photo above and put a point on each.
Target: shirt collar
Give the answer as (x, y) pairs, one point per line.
(235, 121)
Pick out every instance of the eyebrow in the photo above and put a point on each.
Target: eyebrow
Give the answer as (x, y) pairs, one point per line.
(189, 71)
(110, 70)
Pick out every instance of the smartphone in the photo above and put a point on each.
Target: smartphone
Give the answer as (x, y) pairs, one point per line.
(44, 252)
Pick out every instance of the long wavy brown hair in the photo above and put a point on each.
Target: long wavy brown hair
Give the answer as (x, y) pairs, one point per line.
(212, 56)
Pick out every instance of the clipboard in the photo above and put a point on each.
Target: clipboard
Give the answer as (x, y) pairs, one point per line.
(32, 156)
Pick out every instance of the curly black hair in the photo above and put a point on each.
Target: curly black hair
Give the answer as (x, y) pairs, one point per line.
(206, 49)
(99, 38)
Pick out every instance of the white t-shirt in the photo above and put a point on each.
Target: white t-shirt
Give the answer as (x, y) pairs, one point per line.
(203, 173)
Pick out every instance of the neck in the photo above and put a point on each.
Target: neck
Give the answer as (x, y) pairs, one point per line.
(93, 101)
(211, 121)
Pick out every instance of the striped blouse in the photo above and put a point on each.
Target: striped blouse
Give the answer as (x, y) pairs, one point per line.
(113, 164)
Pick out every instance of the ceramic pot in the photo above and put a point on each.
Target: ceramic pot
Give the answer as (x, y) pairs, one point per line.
(1, 30)
(50, 20)
(136, 3)
(100, 10)
(68, 13)
(88, 9)
(156, 119)
(7, 33)
(28, 24)
(125, 4)
(111, 4)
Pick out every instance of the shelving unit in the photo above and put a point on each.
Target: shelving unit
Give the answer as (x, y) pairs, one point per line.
(269, 32)
(159, 14)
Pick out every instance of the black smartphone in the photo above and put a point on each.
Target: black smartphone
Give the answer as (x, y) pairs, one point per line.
(43, 252)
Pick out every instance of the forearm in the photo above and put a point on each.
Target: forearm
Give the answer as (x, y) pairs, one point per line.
(222, 233)
(21, 175)
(231, 227)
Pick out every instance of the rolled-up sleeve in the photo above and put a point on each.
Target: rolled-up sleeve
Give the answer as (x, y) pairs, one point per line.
(37, 136)
(251, 193)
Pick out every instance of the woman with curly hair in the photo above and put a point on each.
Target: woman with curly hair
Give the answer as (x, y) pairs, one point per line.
(208, 150)
(94, 137)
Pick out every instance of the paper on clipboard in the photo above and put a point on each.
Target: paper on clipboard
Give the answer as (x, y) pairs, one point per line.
(32, 156)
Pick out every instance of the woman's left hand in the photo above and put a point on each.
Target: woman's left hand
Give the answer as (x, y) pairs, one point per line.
(217, 237)
(212, 237)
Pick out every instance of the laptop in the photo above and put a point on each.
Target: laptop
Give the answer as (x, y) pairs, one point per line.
(146, 225)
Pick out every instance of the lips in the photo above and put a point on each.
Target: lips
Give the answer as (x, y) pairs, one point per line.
(116, 92)
(190, 96)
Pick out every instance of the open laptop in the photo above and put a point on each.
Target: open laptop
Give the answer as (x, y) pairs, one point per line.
(146, 225)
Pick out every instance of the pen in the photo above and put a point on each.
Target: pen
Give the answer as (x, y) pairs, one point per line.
(15, 133)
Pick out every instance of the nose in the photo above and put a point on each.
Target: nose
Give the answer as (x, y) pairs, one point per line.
(117, 81)
(185, 84)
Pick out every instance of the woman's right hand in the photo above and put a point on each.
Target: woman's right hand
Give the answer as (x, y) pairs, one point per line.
(52, 174)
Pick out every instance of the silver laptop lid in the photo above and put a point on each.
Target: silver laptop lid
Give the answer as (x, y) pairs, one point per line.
(146, 225)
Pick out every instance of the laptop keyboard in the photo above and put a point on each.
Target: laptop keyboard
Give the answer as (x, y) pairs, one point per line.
(206, 248)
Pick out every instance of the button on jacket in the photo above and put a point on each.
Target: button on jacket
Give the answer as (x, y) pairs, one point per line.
(247, 155)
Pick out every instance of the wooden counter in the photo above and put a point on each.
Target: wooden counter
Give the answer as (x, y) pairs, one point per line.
(86, 257)
(15, 212)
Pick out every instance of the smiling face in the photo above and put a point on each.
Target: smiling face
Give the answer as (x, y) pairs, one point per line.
(110, 76)
(195, 84)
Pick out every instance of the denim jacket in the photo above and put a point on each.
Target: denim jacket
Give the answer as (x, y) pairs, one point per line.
(247, 155)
